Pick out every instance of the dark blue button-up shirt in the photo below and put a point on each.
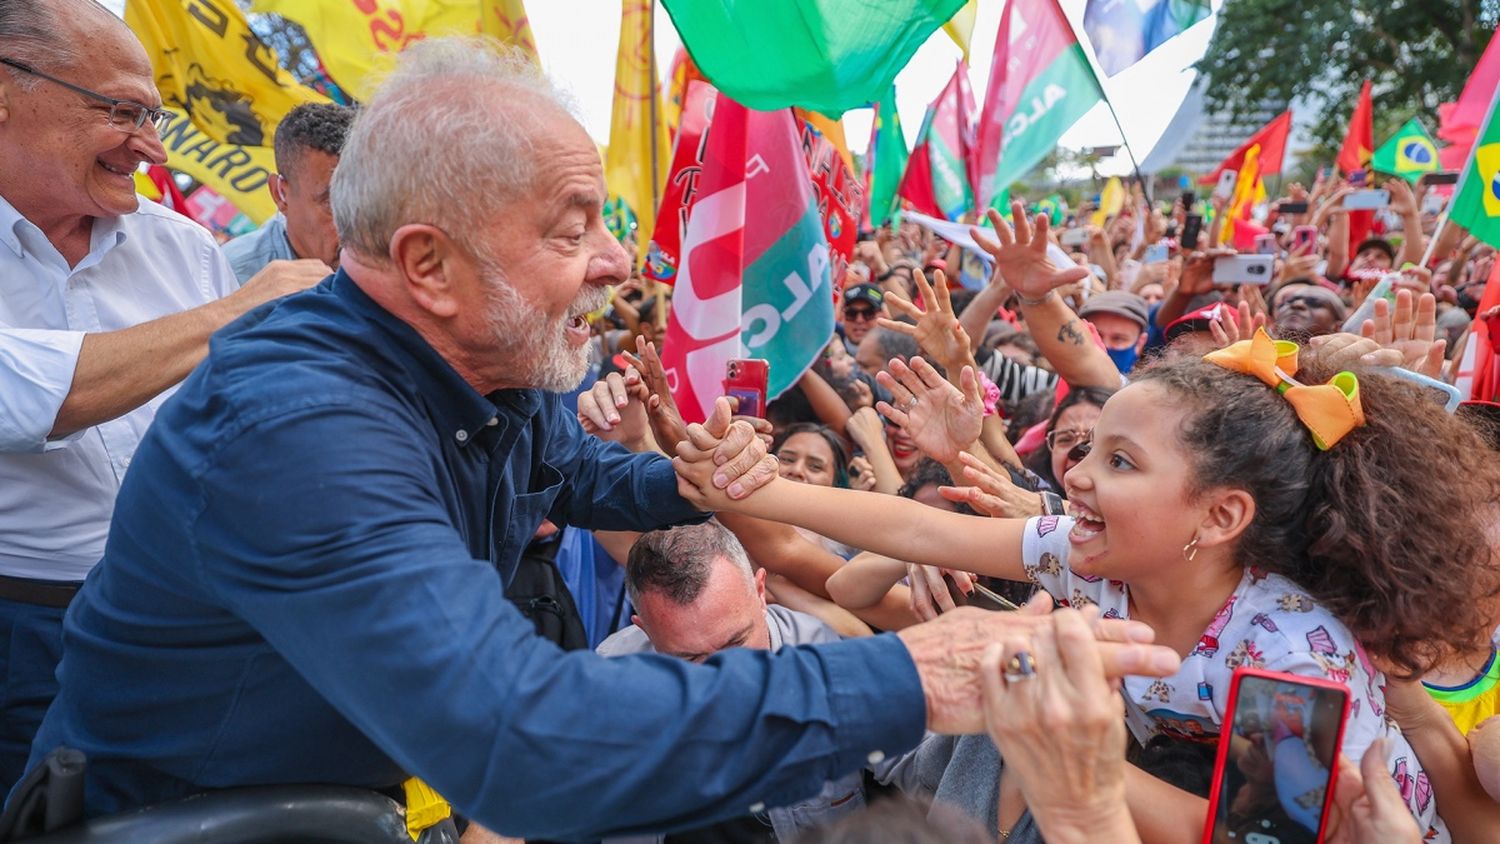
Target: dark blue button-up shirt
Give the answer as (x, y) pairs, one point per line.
(300, 586)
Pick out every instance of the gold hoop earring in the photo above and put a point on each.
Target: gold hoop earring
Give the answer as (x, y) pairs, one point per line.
(1190, 550)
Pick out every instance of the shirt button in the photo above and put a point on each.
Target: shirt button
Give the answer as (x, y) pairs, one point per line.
(757, 808)
(875, 757)
(494, 420)
(462, 436)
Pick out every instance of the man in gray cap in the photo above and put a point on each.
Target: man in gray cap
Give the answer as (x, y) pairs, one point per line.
(1120, 318)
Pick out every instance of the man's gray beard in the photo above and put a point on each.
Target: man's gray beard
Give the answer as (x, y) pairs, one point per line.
(536, 348)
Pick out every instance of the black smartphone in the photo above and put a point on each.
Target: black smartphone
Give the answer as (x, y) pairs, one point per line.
(1188, 198)
(1292, 208)
(1441, 177)
(1190, 230)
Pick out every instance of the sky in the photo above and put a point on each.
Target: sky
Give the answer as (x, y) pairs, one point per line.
(578, 40)
(1145, 96)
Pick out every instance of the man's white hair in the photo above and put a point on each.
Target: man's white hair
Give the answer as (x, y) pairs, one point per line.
(448, 137)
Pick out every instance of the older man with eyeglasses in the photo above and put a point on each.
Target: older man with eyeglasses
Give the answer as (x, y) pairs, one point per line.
(105, 304)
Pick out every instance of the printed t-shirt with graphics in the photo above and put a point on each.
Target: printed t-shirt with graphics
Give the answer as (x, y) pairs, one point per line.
(1269, 623)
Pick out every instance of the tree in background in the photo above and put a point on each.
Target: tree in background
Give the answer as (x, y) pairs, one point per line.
(1418, 54)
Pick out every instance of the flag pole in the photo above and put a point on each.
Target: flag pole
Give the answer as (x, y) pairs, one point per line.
(1104, 95)
(658, 289)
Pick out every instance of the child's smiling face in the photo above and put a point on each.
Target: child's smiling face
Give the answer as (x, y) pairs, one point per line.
(1132, 493)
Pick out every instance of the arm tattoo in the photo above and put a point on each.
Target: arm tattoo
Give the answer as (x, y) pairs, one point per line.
(1069, 333)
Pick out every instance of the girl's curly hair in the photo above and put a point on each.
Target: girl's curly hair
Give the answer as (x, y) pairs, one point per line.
(1389, 529)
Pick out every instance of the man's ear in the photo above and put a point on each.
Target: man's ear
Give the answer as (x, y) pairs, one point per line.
(4, 102)
(760, 584)
(424, 257)
(276, 186)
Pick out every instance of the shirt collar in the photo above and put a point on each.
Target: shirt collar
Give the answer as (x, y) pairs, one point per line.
(460, 411)
(105, 234)
(10, 221)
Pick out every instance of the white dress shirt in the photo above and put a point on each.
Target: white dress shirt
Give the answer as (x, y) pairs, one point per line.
(56, 496)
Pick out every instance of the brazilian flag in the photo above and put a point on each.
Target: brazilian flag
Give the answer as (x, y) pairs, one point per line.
(1409, 153)
(1476, 203)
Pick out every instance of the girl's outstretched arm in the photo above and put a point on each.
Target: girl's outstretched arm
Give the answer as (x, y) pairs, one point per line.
(886, 524)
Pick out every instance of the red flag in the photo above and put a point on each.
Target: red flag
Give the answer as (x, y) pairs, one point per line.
(171, 197)
(1272, 141)
(1482, 357)
(841, 196)
(1459, 121)
(754, 273)
(682, 183)
(1359, 143)
(937, 180)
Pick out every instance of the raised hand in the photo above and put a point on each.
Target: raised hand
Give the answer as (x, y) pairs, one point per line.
(1021, 255)
(940, 418)
(1241, 327)
(661, 408)
(1410, 331)
(938, 331)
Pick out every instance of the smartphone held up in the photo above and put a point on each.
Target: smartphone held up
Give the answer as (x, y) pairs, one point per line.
(1278, 759)
(745, 380)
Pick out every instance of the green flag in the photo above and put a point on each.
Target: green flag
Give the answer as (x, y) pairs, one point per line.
(1476, 203)
(825, 55)
(887, 159)
(1409, 153)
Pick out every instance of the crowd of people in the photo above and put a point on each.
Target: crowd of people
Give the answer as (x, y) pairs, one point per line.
(394, 490)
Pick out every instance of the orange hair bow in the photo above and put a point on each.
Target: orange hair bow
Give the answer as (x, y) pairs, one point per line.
(1330, 411)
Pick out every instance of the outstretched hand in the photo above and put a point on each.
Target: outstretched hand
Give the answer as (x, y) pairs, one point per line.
(1410, 331)
(991, 492)
(661, 408)
(938, 331)
(940, 418)
(1021, 254)
(721, 460)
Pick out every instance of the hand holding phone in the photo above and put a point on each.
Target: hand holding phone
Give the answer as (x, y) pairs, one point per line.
(1190, 232)
(1278, 759)
(746, 379)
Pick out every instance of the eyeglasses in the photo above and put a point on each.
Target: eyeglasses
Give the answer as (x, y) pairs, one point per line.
(1080, 451)
(858, 314)
(125, 115)
(1067, 438)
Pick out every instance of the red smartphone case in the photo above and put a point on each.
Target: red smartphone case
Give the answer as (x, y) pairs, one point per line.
(1222, 758)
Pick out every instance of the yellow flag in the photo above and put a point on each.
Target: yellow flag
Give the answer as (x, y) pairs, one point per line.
(960, 27)
(507, 21)
(636, 162)
(1248, 190)
(226, 91)
(355, 38)
(1111, 200)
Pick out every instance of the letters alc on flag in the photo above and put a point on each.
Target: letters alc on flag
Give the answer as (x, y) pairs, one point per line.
(1040, 85)
(825, 55)
(226, 92)
(937, 180)
(749, 285)
(355, 37)
(1476, 201)
(886, 160)
(1124, 31)
(1408, 153)
(1270, 138)
(635, 164)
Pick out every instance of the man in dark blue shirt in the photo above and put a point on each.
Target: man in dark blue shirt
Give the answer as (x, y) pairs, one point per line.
(300, 582)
